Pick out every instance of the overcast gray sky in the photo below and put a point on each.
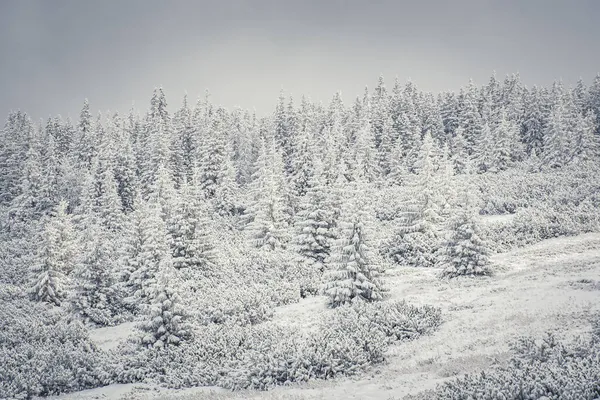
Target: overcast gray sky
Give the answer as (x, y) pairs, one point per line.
(55, 53)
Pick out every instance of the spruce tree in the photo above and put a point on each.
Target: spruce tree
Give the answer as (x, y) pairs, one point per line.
(95, 297)
(465, 253)
(418, 236)
(269, 220)
(352, 273)
(190, 244)
(315, 228)
(55, 259)
(164, 322)
(152, 249)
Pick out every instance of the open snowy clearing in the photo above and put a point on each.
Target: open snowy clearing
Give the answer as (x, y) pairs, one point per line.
(550, 286)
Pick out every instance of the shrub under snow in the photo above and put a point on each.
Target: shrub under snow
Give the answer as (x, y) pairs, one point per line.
(40, 353)
(350, 339)
(545, 369)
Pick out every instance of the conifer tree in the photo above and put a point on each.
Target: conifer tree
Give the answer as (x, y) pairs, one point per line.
(95, 297)
(189, 240)
(100, 201)
(352, 273)
(365, 159)
(125, 168)
(152, 250)
(418, 237)
(14, 144)
(556, 152)
(54, 260)
(586, 142)
(533, 125)
(86, 137)
(315, 228)
(269, 223)
(469, 116)
(35, 195)
(213, 152)
(465, 253)
(594, 101)
(164, 322)
(459, 155)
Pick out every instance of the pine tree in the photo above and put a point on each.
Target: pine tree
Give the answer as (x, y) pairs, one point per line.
(469, 117)
(314, 228)
(484, 156)
(505, 146)
(125, 168)
(100, 201)
(304, 147)
(95, 297)
(533, 125)
(352, 273)
(152, 249)
(14, 138)
(556, 152)
(213, 152)
(34, 199)
(449, 113)
(86, 137)
(190, 244)
(227, 191)
(459, 155)
(594, 101)
(54, 260)
(365, 159)
(164, 322)
(269, 223)
(418, 237)
(465, 253)
(586, 142)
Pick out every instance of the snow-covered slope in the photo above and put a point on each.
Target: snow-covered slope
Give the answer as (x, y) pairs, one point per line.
(534, 290)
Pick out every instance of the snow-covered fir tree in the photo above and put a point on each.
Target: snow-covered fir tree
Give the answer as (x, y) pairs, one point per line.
(268, 227)
(95, 297)
(55, 259)
(150, 249)
(418, 236)
(164, 321)
(188, 236)
(352, 272)
(315, 224)
(465, 253)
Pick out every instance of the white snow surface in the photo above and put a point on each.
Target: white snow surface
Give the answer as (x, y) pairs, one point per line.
(533, 290)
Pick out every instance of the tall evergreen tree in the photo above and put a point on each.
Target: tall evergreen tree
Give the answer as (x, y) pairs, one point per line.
(164, 322)
(269, 223)
(95, 297)
(55, 259)
(418, 237)
(314, 228)
(465, 253)
(353, 274)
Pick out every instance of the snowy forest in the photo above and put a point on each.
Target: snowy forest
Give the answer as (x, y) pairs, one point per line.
(247, 252)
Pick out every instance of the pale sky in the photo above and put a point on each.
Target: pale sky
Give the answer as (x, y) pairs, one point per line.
(55, 53)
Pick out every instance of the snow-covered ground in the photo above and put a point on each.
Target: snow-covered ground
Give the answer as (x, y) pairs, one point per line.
(534, 290)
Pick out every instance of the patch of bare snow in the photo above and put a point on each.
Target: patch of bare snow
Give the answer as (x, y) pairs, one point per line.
(497, 219)
(110, 337)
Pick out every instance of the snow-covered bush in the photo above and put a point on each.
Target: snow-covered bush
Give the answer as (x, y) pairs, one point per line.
(539, 369)
(534, 224)
(349, 339)
(238, 306)
(40, 353)
(400, 320)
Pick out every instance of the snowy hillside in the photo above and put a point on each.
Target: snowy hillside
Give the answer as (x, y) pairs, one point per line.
(392, 248)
